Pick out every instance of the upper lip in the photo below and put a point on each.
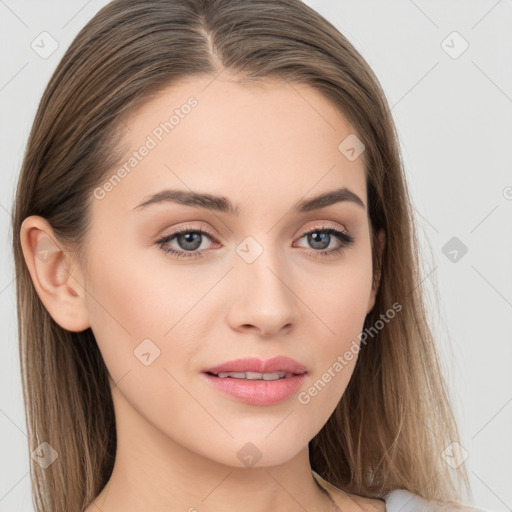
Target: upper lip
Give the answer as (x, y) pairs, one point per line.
(253, 364)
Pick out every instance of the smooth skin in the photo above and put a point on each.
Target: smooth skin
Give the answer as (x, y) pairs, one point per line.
(264, 147)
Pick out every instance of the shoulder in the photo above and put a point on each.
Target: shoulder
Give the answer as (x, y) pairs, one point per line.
(401, 500)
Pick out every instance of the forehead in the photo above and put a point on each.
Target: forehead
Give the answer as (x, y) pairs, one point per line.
(274, 140)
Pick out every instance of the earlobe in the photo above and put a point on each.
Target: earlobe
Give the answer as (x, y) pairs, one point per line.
(56, 283)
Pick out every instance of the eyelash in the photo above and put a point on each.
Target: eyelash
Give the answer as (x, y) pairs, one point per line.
(344, 238)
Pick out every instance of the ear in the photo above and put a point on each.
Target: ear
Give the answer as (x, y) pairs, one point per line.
(377, 271)
(55, 281)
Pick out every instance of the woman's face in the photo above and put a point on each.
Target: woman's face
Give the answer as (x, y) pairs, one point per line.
(253, 285)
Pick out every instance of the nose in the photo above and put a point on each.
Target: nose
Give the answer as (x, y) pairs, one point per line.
(263, 299)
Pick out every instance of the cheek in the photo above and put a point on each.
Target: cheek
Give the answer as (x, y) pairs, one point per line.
(339, 296)
(128, 306)
(139, 321)
(132, 297)
(150, 320)
(340, 301)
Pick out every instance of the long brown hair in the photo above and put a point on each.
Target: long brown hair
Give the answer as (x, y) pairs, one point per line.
(394, 419)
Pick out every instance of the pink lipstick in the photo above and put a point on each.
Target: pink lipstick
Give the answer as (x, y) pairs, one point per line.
(256, 381)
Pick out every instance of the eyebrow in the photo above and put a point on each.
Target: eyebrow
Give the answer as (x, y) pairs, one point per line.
(224, 205)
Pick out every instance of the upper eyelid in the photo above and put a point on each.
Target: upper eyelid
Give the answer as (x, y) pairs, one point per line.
(321, 226)
(185, 229)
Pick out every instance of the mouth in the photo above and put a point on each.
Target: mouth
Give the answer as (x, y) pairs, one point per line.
(257, 382)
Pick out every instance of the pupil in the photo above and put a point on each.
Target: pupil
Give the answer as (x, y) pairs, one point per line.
(190, 238)
(315, 239)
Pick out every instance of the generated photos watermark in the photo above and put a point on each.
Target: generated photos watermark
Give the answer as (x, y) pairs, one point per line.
(152, 140)
(344, 359)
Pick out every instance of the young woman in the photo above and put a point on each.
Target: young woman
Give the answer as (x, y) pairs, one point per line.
(219, 301)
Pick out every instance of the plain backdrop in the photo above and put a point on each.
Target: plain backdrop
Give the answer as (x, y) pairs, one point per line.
(446, 69)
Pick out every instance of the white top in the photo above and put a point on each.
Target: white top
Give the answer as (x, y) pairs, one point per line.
(400, 500)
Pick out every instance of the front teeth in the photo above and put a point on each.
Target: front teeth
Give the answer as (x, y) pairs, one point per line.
(255, 375)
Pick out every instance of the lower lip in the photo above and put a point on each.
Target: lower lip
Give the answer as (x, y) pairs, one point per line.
(258, 392)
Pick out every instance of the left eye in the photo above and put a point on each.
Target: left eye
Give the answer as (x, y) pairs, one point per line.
(189, 240)
(321, 239)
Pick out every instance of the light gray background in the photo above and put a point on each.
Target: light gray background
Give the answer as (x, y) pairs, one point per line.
(455, 126)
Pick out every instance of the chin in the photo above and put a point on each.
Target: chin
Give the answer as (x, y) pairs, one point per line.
(260, 451)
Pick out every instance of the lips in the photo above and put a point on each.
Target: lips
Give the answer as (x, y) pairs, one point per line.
(256, 381)
(259, 366)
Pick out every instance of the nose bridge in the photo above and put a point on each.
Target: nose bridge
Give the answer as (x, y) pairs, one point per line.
(261, 265)
(264, 298)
